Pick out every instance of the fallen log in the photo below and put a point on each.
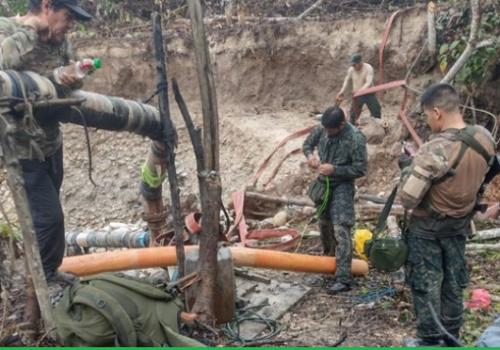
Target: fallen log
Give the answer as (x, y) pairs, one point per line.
(307, 202)
(282, 200)
(482, 247)
(486, 234)
(377, 209)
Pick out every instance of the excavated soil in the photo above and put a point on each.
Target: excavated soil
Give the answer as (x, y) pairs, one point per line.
(271, 79)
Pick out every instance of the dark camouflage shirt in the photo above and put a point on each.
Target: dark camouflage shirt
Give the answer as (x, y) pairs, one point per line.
(346, 151)
(20, 50)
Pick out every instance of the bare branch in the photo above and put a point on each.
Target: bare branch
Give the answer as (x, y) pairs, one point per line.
(310, 9)
(471, 45)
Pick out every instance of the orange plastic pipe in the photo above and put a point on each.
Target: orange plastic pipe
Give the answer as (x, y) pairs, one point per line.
(84, 265)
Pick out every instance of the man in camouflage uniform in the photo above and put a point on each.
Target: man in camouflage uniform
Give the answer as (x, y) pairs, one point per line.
(440, 185)
(342, 158)
(37, 42)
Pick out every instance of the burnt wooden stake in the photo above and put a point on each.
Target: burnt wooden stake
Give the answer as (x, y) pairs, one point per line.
(16, 184)
(210, 189)
(170, 136)
(194, 133)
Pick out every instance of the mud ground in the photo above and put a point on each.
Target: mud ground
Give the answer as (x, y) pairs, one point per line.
(271, 80)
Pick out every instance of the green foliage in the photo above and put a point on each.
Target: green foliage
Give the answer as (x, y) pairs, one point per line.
(113, 10)
(106, 10)
(6, 232)
(475, 322)
(15, 7)
(475, 71)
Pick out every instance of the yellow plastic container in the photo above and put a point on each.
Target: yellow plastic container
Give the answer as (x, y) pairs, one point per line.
(360, 236)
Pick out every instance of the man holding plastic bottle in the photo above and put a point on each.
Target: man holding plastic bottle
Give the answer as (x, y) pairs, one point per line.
(37, 42)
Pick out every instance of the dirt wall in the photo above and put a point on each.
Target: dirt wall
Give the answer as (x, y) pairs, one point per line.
(269, 78)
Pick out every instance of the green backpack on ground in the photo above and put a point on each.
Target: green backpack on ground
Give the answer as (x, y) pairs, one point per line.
(113, 309)
(386, 253)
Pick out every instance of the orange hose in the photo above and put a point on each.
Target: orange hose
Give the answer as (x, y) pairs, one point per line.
(84, 265)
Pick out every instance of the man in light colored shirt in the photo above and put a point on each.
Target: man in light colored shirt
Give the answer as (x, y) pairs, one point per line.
(361, 75)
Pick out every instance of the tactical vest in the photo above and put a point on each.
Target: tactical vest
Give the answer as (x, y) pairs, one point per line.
(466, 136)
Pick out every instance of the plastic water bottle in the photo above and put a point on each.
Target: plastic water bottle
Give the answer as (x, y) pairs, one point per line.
(81, 69)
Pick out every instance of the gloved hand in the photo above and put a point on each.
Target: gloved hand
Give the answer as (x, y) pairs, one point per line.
(404, 160)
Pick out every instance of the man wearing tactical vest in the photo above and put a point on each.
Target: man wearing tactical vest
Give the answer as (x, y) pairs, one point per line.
(37, 42)
(440, 184)
(342, 159)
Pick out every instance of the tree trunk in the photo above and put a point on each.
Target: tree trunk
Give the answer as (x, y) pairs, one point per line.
(32, 253)
(210, 177)
(471, 44)
(31, 308)
(431, 28)
(169, 140)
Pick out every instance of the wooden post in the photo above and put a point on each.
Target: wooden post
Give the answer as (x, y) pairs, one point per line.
(194, 132)
(210, 178)
(169, 134)
(16, 184)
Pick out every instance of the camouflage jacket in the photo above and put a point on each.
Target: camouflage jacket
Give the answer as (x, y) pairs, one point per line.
(346, 152)
(426, 184)
(20, 50)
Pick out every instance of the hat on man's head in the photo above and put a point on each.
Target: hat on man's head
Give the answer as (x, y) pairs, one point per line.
(356, 58)
(79, 13)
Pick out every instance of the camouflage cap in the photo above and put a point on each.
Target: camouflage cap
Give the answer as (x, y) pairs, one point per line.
(356, 58)
(79, 13)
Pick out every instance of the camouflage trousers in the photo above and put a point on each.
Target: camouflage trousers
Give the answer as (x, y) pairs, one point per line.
(335, 225)
(436, 272)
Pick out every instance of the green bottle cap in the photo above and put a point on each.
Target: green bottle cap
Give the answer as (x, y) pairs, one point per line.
(97, 63)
